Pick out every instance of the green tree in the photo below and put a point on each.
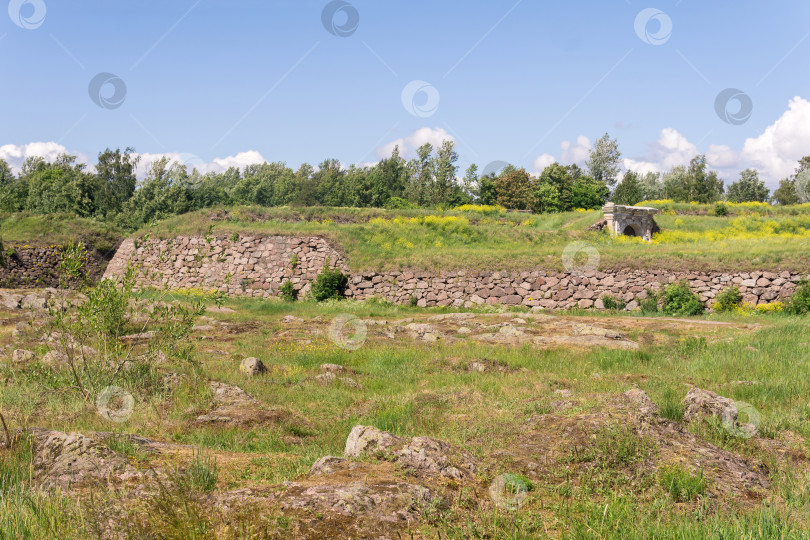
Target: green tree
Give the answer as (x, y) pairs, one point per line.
(589, 193)
(515, 190)
(421, 174)
(61, 186)
(163, 193)
(115, 172)
(445, 190)
(13, 190)
(786, 194)
(707, 187)
(629, 191)
(390, 179)
(546, 199)
(560, 178)
(603, 163)
(748, 188)
(471, 184)
(487, 191)
(695, 183)
(652, 188)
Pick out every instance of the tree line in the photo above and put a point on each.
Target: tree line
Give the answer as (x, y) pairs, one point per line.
(112, 192)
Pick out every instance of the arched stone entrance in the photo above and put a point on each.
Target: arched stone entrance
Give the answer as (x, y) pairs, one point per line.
(630, 220)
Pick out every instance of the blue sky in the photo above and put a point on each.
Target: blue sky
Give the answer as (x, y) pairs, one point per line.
(524, 82)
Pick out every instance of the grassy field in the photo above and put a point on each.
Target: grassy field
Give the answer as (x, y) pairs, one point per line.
(422, 239)
(548, 415)
(56, 229)
(693, 238)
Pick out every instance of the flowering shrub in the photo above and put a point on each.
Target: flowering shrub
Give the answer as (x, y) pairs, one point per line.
(487, 210)
(745, 227)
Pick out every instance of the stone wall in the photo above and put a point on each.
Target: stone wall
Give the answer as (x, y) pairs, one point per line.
(246, 266)
(257, 266)
(28, 266)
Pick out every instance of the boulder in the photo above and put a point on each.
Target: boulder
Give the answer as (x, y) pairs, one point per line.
(54, 358)
(252, 366)
(66, 460)
(326, 465)
(365, 439)
(700, 403)
(21, 355)
(425, 456)
(422, 456)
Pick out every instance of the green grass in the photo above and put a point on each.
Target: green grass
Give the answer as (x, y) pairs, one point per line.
(56, 229)
(681, 484)
(413, 389)
(385, 239)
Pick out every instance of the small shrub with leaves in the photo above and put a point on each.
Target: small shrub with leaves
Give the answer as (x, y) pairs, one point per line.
(800, 301)
(612, 303)
(414, 301)
(728, 300)
(329, 284)
(88, 332)
(649, 305)
(288, 292)
(679, 300)
(720, 209)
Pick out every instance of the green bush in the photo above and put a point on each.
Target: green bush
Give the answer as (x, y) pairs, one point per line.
(611, 302)
(679, 300)
(800, 301)
(395, 203)
(414, 301)
(728, 299)
(649, 305)
(330, 283)
(288, 292)
(720, 209)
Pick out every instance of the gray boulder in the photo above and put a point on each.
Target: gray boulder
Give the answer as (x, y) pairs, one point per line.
(251, 367)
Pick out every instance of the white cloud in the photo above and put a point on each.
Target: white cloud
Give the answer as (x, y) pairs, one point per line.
(408, 145)
(192, 161)
(776, 152)
(15, 155)
(577, 152)
(240, 160)
(722, 157)
(541, 162)
(642, 167)
(670, 150)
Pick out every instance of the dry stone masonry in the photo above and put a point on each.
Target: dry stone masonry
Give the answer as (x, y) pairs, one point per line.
(38, 266)
(246, 266)
(257, 266)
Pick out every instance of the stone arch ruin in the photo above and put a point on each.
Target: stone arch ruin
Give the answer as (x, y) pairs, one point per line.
(630, 220)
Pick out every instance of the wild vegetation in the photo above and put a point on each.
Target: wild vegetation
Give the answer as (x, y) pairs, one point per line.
(595, 474)
(469, 239)
(112, 192)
